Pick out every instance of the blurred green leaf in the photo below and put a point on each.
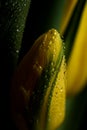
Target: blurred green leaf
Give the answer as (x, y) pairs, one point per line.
(13, 14)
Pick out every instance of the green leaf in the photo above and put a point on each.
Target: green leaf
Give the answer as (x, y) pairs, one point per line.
(13, 15)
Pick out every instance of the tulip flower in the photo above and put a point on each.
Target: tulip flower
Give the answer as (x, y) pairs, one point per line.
(52, 76)
(38, 85)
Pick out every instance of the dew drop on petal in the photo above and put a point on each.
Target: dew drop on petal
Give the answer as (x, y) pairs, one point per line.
(38, 68)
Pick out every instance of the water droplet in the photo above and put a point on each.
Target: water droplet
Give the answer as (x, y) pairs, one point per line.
(52, 63)
(19, 9)
(54, 50)
(53, 69)
(55, 32)
(15, 20)
(45, 86)
(17, 51)
(54, 55)
(62, 37)
(63, 43)
(43, 42)
(61, 90)
(37, 67)
(46, 76)
(53, 37)
(50, 42)
(24, 4)
(49, 120)
(13, 4)
(40, 67)
(64, 47)
(18, 30)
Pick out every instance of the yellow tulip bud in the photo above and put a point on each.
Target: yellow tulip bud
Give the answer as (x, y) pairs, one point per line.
(38, 85)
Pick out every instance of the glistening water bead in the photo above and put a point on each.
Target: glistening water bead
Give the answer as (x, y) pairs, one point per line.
(37, 67)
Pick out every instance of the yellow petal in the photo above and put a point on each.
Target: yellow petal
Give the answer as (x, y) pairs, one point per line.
(56, 109)
(68, 10)
(77, 65)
